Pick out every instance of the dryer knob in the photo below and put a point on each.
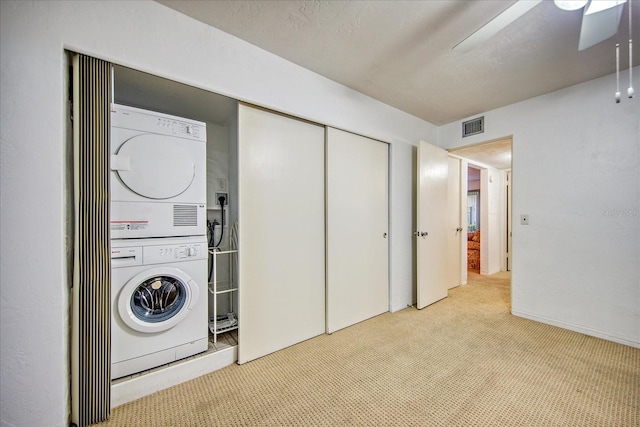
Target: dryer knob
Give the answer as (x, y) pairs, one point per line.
(191, 251)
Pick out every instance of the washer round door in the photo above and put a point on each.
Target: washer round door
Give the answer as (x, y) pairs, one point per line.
(157, 299)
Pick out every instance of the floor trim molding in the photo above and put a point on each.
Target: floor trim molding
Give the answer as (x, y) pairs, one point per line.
(577, 328)
(138, 386)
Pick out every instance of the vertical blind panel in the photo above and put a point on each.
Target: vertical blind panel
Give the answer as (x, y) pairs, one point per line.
(91, 115)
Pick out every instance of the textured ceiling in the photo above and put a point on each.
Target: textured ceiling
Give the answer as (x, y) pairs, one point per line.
(496, 153)
(399, 52)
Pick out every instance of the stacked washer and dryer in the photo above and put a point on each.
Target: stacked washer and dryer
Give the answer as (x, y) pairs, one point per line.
(159, 307)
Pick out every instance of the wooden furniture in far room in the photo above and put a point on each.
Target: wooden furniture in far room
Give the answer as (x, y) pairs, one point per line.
(473, 250)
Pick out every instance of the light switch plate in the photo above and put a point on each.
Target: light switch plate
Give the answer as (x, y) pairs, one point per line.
(221, 184)
(524, 219)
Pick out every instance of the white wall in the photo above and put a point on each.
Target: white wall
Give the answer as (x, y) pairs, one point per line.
(149, 37)
(576, 174)
(490, 213)
(464, 191)
(217, 160)
(218, 168)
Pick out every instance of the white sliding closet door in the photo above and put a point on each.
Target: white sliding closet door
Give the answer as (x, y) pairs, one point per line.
(357, 227)
(281, 232)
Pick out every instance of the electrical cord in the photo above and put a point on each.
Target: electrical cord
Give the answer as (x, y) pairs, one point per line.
(222, 200)
(211, 228)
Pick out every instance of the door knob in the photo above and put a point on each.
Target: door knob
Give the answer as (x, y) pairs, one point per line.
(459, 229)
(423, 233)
(384, 235)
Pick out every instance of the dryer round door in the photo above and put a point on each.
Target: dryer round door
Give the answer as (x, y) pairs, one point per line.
(157, 299)
(158, 167)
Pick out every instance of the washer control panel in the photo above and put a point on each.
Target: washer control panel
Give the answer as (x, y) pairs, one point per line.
(172, 253)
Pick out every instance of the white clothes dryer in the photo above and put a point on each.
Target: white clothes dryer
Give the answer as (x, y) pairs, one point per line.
(158, 302)
(158, 175)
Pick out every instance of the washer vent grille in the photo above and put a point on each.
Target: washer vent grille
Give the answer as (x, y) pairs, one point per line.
(185, 215)
(473, 127)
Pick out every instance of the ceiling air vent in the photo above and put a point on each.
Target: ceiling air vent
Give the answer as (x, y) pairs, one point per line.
(472, 127)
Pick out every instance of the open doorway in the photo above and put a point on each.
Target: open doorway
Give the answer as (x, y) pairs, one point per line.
(473, 219)
(488, 171)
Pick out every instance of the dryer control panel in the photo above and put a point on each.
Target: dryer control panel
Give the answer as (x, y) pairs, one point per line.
(126, 117)
(179, 128)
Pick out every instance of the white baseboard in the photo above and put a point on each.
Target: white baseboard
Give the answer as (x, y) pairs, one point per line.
(578, 328)
(399, 307)
(128, 390)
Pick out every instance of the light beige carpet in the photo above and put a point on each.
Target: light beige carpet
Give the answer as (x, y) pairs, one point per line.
(464, 361)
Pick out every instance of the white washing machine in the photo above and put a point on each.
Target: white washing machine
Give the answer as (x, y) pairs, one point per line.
(158, 302)
(158, 175)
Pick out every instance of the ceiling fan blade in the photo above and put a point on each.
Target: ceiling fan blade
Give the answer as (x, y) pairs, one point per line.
(599, 25)
(492, 27)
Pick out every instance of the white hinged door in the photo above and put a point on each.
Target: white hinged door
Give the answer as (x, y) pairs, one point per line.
(431, 218)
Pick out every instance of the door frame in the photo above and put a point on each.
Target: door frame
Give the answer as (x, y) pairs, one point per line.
(506, 200)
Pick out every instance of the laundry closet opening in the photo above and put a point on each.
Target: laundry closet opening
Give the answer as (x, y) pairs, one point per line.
(174, 163)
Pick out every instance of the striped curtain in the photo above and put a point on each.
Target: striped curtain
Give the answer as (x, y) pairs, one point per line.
(91, 325)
